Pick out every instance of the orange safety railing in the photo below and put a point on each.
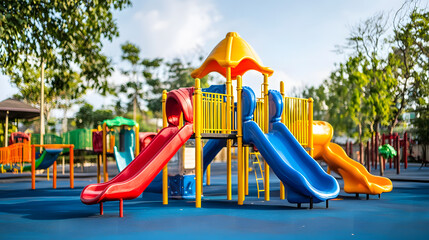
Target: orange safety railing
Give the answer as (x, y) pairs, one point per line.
(4, 155)
(17, 153)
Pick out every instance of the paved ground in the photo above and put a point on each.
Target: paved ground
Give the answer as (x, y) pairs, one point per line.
(46, 213)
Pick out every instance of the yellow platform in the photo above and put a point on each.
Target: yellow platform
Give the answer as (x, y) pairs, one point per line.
(356, 178)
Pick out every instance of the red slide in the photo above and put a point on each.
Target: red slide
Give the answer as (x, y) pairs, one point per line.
(134, 179)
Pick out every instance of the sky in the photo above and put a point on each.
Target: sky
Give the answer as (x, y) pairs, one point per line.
(295, 38)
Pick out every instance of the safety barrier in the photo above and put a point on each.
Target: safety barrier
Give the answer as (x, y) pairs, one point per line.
(214, 108)
(296, 118)
(80, 138)
(15, 155)
(48, 138)
(259, 115)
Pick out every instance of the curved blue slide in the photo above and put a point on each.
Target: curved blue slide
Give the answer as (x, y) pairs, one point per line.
(123, 158)
(46, 159)
(304, 179)
(125, 155)
(211, 149)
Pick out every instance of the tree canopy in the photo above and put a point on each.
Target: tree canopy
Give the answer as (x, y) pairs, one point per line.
(64, 35)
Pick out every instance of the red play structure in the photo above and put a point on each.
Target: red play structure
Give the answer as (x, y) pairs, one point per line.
(134, 179)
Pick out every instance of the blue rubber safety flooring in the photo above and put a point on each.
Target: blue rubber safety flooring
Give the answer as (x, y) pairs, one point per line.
(47, 213)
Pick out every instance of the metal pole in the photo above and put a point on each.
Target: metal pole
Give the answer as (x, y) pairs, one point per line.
(405, 151)
(390, 143)
(398, 164)
(282, 92)
(240, 163)
(266, 122)
(105, 174)
(165, 169)
(246, 170)
(310, 126)
(33, 167)
(198, 148)
(42, 101)
(6, 129)
(71, 151)
(228, 127)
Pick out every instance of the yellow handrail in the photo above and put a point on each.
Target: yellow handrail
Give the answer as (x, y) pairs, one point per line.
(296, 118)
(259, 116)
(214, 108)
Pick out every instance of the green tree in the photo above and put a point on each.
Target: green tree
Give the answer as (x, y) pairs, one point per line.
(409, 58)
(178, 75)
(421, 127)
(134, 89)
(319, 100)
(66, 36)
(100, 115)
(85, 116)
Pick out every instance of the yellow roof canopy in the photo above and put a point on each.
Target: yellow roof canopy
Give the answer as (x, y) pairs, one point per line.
(235, 53)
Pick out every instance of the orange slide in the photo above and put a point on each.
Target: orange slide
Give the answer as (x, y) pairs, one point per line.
(356, 178)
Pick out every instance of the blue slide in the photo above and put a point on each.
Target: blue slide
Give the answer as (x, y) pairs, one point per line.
(125, 155)
(304, 179)
(46, 159)
(123, 158)
(211, 149)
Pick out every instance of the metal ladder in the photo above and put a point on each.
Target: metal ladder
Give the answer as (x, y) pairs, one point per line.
(257, 162)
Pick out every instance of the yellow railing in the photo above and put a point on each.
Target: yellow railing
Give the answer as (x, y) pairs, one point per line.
(259, 116)
(214, 108)
(296, 118)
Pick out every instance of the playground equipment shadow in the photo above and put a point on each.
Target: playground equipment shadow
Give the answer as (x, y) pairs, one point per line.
(46, 213)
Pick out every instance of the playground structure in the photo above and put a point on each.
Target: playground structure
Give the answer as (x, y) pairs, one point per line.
(128, 144)
(213, 116)
(51, 153)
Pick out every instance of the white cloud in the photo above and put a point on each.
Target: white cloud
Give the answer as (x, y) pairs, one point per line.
(176, 27)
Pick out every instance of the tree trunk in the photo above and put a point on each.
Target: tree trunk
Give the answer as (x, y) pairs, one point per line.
(65, 123)
(42, 100)
(135, 108)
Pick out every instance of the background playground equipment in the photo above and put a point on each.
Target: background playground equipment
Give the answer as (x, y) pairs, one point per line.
(14, 156)
(134, 179)
(46, 163)
(128, 144)
(356, 178)
(145, 138)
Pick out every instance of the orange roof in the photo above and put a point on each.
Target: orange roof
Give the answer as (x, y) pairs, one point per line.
(232, 52)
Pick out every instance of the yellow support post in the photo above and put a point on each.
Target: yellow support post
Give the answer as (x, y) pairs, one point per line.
(198, 149)
(246, 170)
(208, 173)
(228, 126)
(310, 126)
(137, 149)
(165, 169)
(240, 161)
(106, 176)
(282, 92)
(266, 115)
